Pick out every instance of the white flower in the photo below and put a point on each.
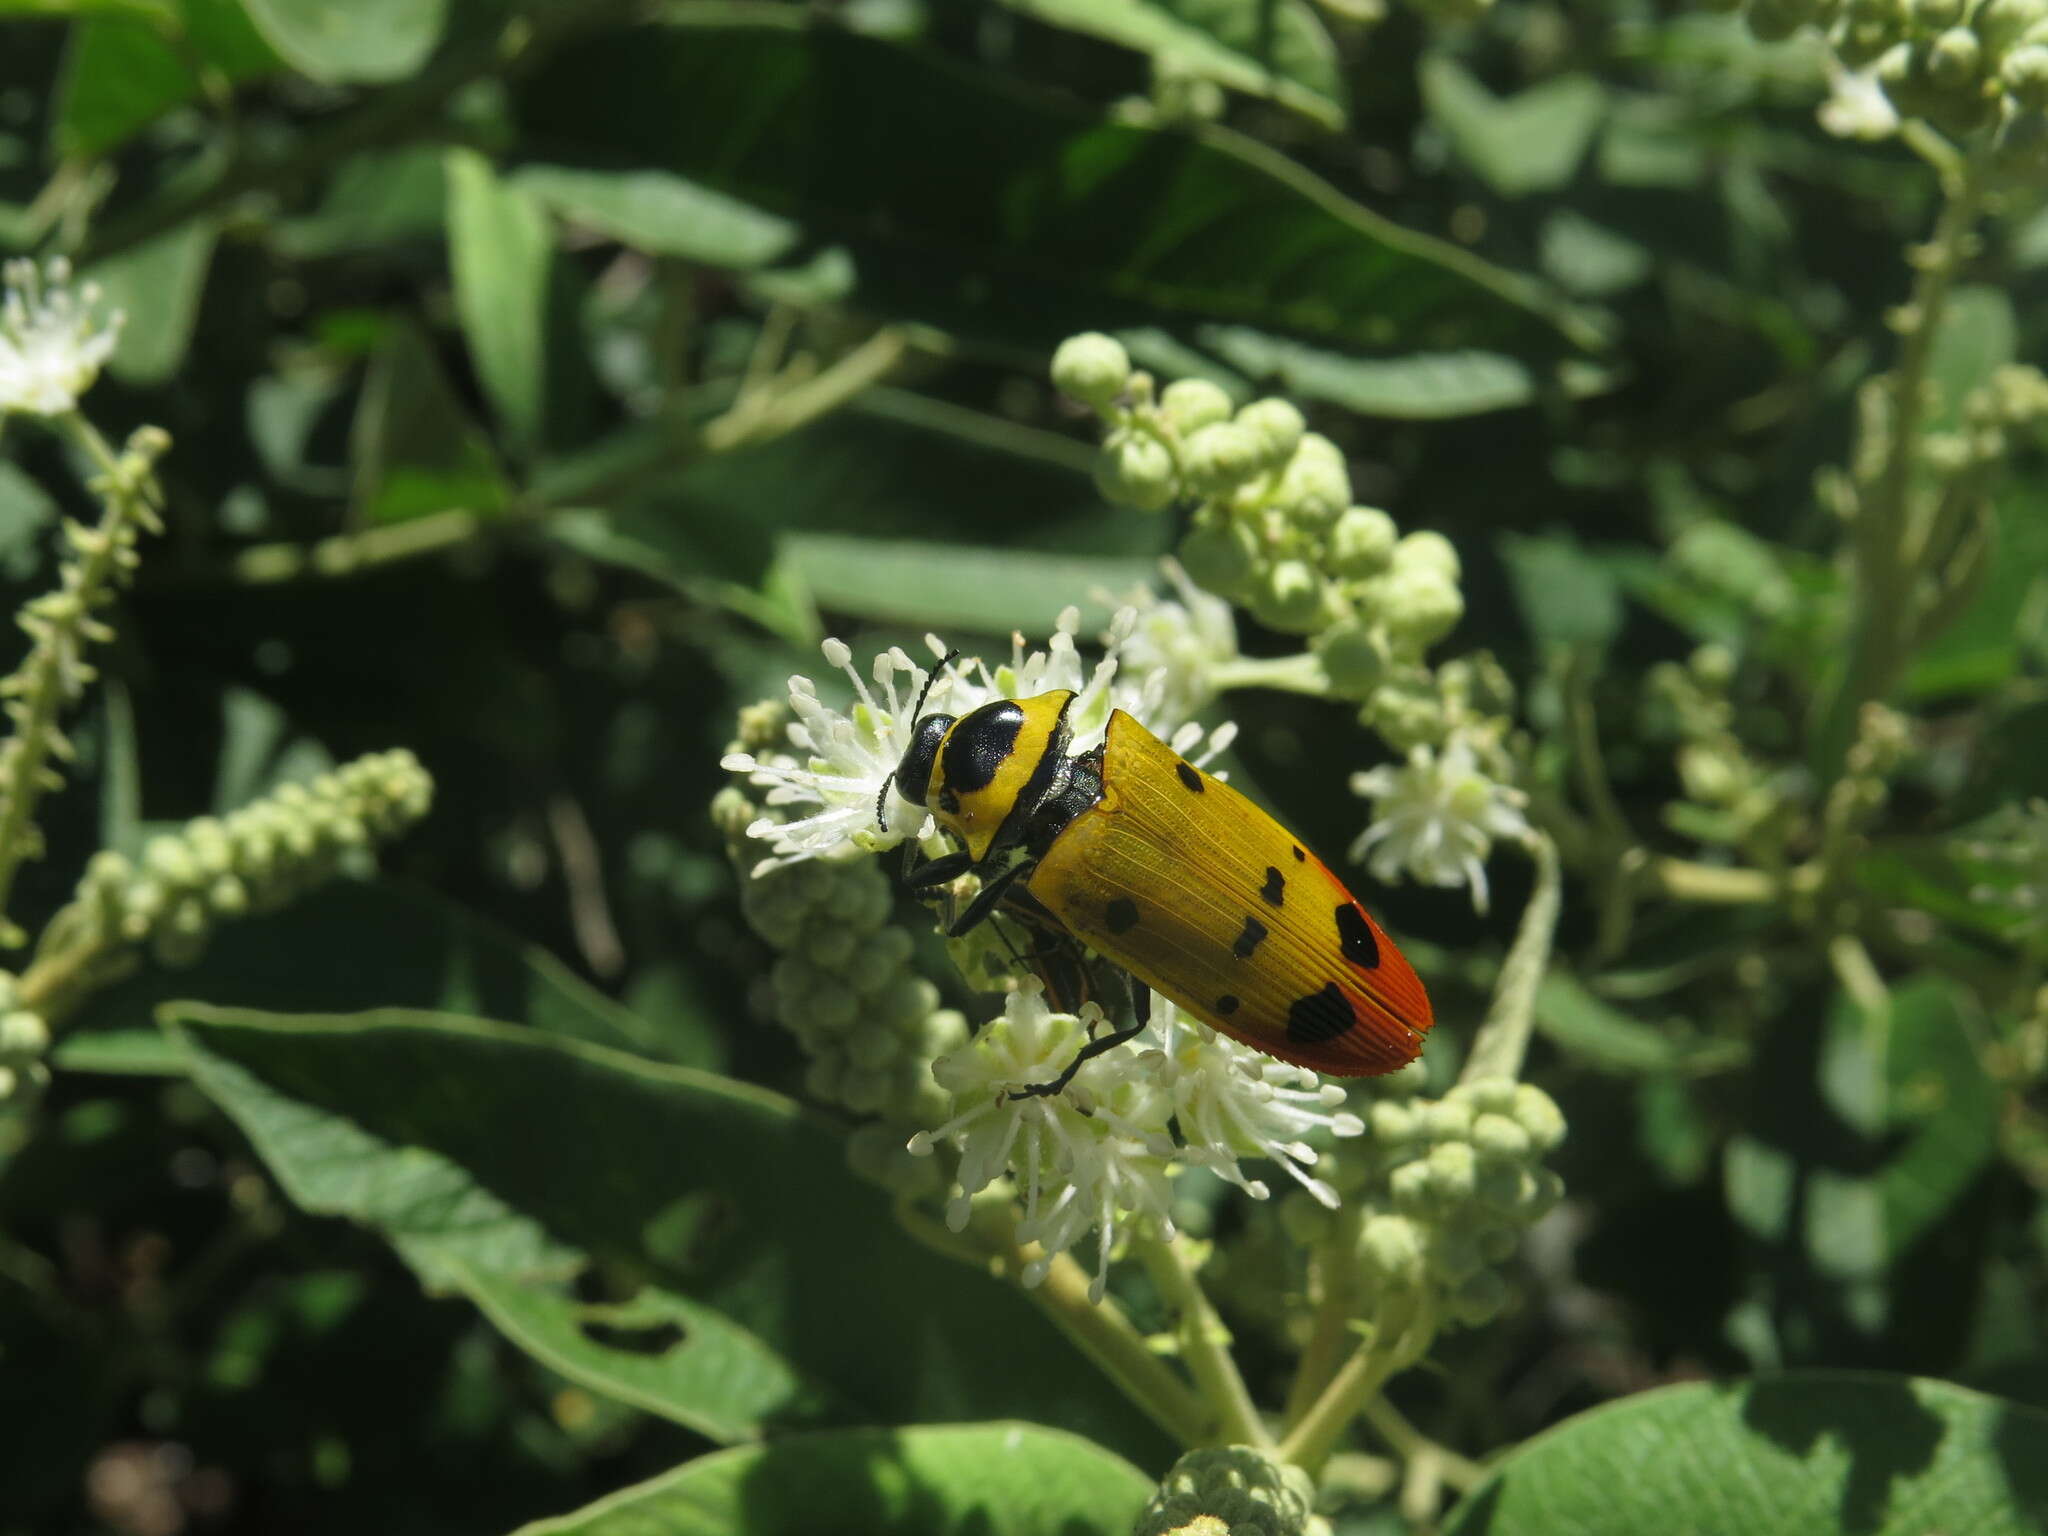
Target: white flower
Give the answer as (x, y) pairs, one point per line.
(840, 768)
(1170, 649)
(1084, 1160)
(1234, 1102)
(52, 344)
(1857, 107)
(1436, 817)
(1103, 1154)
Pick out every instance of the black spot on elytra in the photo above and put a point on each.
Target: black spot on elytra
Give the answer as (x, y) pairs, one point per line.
(1121, 915)
(1299, 856)
(1189, 777)
(979, 745)
(1275, 888)
(1253, 935)
(1354, 936)
(1316, 1017)
(1226, 1005)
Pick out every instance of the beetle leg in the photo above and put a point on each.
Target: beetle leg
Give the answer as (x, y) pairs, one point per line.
(985, 899)
(947, 866)
(1141, 1010)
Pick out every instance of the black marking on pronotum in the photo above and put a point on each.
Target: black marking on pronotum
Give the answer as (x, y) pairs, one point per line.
(949, 801)
(1275, 888)
(1253, 934)
(1299, 856)
(981, 743)
(1354, 936)
(1226, 1005)
(1121, 915)
(1315, 1017)
(1189, 777)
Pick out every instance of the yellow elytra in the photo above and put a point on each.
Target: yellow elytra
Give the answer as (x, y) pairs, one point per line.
(1169, 873)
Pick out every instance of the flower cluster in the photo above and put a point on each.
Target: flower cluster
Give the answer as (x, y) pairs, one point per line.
(1100, 1157)
(1442, 1190)
(1967, 66)
(253, 860)
(1729, 795)
(843, 982)
(53, 341)
(1234, 1489)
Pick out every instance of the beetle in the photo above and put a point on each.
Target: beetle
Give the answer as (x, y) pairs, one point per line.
(1165, 871)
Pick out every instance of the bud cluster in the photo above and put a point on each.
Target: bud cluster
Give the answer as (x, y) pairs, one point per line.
(1442, 1190)
(1728, 794)
(253, 860)
(843, 982)
(1274, 529)
(1967, 66)
(24, 1040)
(1230, 1489)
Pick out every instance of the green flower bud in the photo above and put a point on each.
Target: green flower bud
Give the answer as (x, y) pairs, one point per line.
(1427, 550)
(1354, 655)
(1316, 485)
(1956, 60)
(1230, 1489)
(1498, 1139)
(1445, 1120)
(1393, 1125)
(1713, 665)
(1221, 555)
(1135, 469)
(1453, 1172)
(1537, 1114)
(1291, 598)
(1479, 1298)
(1091, 368)
(1220, 457)
(23, 1033)
(1391, 1250)
(873, 1049)
(1276, 426)
(1455, 1254)
(1411, 1190)
(1487, 1096)
(1498, 1242)
(171, 861)
(1930, 16)
(1406, 1083)
(1419, 607)
(1187, 405)
(832, 946)
(1361, 542)
(1861, 43)
(1406, 713)
(2000, 24)
(2025, 74)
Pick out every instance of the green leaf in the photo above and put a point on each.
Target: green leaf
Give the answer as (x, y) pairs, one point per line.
(1531, 142)
(425, 952)
(127, 66)
(341, 42)
(157, 287)
(375, 200)
(414, 448)
(1279, 50)
(774, 1286)
(1605, 1038)
(959, 587)
(1430, 386)
(1027, 220)
(1003, 1479)
(1567, 596)
(121, 1053)
(500, 247)
(1589, 258)
(661, 214)
(1981, 649)
(1808, 1453)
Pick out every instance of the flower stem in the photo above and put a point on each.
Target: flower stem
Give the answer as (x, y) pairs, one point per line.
(62, 625)
(1204, 1344)
(1099, 1330)
(1337, 1270)
(1301, 673)
(1392, 1426)
(1398, 1341)
(1886, 626)
(1503, 1037)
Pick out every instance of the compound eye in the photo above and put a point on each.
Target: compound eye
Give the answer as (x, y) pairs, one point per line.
(914, 773)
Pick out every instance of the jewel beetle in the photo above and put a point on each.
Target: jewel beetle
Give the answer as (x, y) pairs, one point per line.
(1167, 872)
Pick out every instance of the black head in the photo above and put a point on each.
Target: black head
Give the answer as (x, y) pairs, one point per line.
(914, 773)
